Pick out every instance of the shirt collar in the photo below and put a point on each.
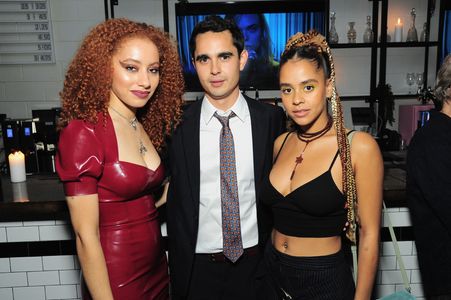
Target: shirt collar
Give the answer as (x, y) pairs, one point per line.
(239, 108)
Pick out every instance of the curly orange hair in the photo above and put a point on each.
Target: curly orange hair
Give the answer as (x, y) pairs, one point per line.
(88, 81)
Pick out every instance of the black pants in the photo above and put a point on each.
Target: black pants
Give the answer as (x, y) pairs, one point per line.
(224, 280)
(320, 277)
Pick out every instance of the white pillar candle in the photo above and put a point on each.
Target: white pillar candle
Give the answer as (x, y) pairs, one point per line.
(17, 166)
(398, 31)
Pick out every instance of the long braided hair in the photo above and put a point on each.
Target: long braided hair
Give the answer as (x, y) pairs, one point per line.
(313, 42)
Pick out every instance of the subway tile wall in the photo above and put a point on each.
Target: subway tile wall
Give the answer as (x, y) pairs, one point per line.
(58, 277)
(38, 277)
(389, 279)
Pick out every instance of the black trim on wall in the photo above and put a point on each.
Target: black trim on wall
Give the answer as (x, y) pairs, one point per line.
(402, 234)
(47, 248)
(67, 247)
(165, 15)
(105, 4)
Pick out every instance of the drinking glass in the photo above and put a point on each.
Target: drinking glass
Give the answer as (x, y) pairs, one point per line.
(410, 79)
(420, 80)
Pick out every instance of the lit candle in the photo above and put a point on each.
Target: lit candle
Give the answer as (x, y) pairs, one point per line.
(398, 31)
(17, 166)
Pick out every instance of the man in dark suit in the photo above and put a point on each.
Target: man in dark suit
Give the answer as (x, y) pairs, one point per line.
(205, 262)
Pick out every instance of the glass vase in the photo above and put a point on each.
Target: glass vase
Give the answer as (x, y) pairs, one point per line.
(333, 35)
(368, 35)
(412, 35)
(352, 34)
(424, 33)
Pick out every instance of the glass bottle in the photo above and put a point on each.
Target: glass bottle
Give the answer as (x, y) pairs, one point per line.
(352, 34)
(424, 33)
(412, 35)
(333, 35)
(368, 34)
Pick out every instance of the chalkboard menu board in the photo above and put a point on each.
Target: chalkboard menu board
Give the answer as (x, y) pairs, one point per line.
(26, 32)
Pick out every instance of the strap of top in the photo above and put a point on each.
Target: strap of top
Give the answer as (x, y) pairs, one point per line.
(350, 134)
(280, 149)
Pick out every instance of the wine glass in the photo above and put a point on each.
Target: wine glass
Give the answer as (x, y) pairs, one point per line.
(420, 80)
(410, 79)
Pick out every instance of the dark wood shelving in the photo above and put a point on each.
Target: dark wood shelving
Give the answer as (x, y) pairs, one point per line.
(406, 96)
(356, 45)
(387, 45)
(379, 48)
(410, 44)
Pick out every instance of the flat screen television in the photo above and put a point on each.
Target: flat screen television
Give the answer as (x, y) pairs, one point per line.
(444, 31)
(266, 26)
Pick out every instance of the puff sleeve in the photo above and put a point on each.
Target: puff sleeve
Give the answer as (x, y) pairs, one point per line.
(79, 161)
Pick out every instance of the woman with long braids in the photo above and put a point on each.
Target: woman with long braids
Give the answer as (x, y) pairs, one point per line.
(121, 98)
(319, 172)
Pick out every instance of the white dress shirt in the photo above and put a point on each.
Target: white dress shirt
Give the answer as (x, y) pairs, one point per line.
(209, 239)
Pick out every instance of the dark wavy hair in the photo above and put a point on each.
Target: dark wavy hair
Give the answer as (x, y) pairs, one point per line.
(88, 80)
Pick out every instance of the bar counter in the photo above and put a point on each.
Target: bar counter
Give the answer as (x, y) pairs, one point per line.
(40, 197)
(46, 199)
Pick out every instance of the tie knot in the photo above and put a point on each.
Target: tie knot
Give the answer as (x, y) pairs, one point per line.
(224, 119)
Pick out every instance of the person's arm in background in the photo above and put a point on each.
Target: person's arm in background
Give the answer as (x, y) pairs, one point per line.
(369, 173)
(84, 213)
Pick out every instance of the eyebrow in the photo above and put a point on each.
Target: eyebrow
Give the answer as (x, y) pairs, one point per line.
(302, 82)
(131, 60)
(221, 54)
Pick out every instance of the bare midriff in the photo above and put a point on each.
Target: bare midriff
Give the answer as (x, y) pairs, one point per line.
(305, 246)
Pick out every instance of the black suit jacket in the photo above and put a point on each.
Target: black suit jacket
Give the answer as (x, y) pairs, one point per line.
(429, 200)
(268, 122)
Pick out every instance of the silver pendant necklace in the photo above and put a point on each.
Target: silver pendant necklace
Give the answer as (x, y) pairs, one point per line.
(133, 122)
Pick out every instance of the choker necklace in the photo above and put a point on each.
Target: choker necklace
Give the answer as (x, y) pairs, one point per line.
(307, 138)
(133, 122)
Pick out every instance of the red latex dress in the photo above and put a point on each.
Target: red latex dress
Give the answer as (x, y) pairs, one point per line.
(88, 163)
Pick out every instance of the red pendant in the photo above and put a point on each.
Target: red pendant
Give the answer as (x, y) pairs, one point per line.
(300, 158)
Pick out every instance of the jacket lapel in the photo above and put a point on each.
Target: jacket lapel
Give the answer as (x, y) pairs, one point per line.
(259, 138)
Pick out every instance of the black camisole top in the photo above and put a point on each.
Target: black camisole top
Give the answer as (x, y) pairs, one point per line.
(315, 209)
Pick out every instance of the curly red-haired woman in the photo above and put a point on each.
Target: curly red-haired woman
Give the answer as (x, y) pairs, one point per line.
(122, 97)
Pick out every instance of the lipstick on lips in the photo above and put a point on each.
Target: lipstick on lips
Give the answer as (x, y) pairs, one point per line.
(141, 94)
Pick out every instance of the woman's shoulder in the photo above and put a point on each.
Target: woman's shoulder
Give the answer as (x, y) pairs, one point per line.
(84, 125)
(280, 140)
(363, 143)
